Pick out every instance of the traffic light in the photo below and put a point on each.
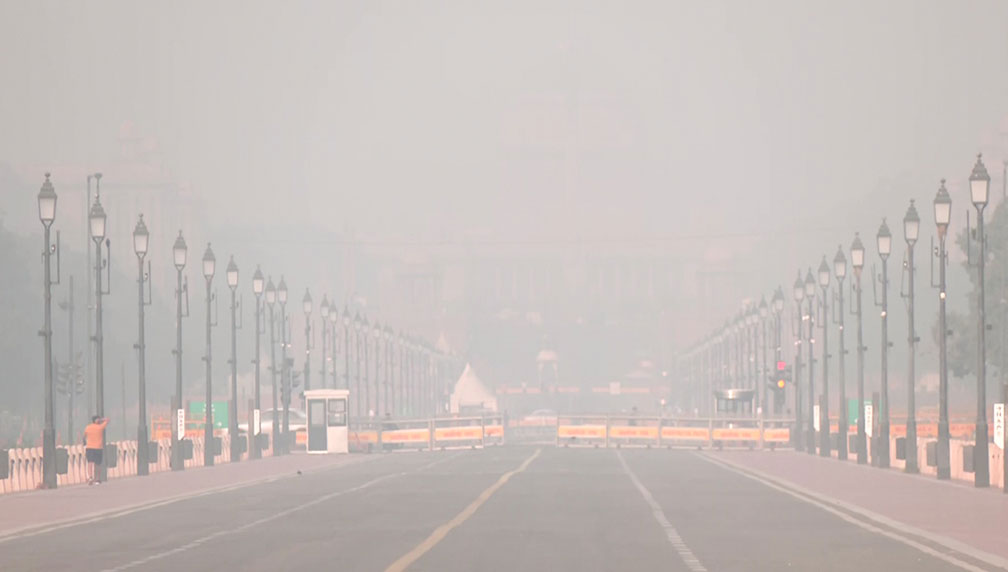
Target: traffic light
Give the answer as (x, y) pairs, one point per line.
(779, 382)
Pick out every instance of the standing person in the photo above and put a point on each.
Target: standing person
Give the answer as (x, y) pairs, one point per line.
(94, 445)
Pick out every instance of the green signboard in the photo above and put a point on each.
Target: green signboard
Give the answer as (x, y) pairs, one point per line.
(197, 410)
(852, 411)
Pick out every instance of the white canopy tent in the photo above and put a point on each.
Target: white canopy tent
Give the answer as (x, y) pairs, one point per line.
(470, 393)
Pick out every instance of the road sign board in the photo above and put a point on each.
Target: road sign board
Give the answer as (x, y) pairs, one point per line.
(180, 423)
(868, 420)
(815, 417)
(197, 409)
(999, 424)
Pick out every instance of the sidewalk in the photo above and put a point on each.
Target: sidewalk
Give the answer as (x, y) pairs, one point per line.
(953, 509)
(22, 512)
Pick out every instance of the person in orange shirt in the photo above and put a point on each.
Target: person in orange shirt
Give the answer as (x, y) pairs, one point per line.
(94, 445)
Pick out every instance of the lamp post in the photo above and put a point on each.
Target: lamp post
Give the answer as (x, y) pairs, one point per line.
(377, 332)
(306, 305)
(884, 243)
(824, 423)
(258, 286)
(979, 194)
(357, 325)
(389, 403)
(209, 266)
(857, 252)
(285, 373)
(778, 309)
(232, 282)
(364, 332)
(798, 293)
(911, 229)
(274, 421)
(47, 215)
(323, 319)
(179, 254)
(943, 216)
(346, 351)
(840, 271)
(97, 222)
(141, 239)
(810, 286)
(404, 397)
(764, 372)
(334, 322)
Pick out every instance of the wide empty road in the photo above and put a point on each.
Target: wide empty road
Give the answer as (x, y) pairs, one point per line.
(508, 509)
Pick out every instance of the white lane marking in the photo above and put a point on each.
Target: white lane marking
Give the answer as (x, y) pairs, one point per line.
(99, 516)
(684, 552)
(824, 502)
(442, 531)
(269, 518)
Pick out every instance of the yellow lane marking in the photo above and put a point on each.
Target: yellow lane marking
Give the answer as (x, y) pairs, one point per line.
(440, 532)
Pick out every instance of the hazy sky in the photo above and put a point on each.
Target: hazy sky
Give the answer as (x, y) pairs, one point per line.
(552, 119)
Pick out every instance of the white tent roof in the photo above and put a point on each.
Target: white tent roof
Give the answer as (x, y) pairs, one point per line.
(470, 392)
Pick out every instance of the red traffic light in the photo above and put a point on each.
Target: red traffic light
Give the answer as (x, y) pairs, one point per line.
(781, 366)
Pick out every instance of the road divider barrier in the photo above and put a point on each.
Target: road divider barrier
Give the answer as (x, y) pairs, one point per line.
(426, 434)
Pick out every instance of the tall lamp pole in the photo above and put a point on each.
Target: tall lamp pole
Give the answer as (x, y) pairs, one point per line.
(798, 293)
(810, 286)
(884, 243)
(306, 305)
(911, 229)
(232, 282)
(979, 194)
(209, 446)
(324, 321)
(840, 271)
(357, 325)
(824, 423)
(179, 254)
(857, 252)
(377, 331)
(141, 239)
(389, 395)
(97, 221)
(943, 215)
(258, 286)
(274, 418)
(346, 352)
(334, 336)
(47, 214)
(285, 373)
(763, 374)
(778, 309)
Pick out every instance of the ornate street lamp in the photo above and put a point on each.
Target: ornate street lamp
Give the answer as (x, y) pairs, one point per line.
(943, 216)
(141, 240)
(883, 242)
(47, 215)
(980, 193)
(209, 445)
(857, 252)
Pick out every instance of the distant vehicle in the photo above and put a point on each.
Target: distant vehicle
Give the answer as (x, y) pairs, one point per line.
(539, 417)
(296, 421)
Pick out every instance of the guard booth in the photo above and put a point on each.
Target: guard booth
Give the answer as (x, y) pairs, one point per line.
(734, 402)
(328, 411)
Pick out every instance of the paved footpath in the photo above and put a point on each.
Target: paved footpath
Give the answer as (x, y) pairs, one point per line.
(44, 509)
(949, 513)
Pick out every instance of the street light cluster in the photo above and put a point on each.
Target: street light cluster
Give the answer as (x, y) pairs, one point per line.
(728, 356)
(408, 372)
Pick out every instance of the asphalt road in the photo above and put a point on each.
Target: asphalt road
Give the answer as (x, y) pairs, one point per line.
(505, 509)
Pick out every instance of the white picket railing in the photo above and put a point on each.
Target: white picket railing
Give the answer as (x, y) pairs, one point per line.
(25, 470)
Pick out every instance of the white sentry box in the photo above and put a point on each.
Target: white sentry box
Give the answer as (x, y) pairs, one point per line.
(328, 411)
